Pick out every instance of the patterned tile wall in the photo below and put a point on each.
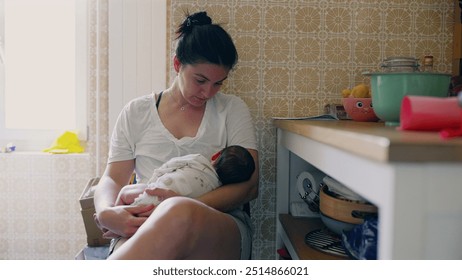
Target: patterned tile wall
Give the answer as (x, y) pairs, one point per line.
(297, 55)
(40, 217)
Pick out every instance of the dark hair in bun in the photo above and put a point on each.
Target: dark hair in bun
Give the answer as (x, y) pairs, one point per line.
(201, 41)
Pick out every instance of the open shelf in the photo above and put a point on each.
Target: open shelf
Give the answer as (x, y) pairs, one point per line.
(294, 230)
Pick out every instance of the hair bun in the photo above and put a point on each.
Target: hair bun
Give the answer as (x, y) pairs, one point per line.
(200, 18)
(200, 40)
(196, 19)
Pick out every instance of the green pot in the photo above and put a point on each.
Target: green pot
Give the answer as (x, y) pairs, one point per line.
(389, 89)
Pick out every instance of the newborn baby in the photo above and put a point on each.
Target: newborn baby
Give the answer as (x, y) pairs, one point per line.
(193, 175)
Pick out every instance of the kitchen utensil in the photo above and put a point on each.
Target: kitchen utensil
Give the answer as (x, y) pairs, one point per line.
(324, 241)
(430, 113)
(343, 210)
(454, 132)
(340, 189)
(388, 90)
(308, 185)
(337, 227)
(400, 64)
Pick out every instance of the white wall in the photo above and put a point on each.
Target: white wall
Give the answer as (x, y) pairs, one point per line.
(137, 51)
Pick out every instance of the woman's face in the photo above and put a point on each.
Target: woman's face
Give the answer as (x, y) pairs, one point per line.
(200, 82)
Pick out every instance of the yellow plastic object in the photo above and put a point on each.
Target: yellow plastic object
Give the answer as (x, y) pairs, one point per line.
(67, 143)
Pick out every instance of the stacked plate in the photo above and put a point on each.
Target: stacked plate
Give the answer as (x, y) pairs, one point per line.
(400, 64)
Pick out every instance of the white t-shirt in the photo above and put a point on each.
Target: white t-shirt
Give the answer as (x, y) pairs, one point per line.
(140, 134)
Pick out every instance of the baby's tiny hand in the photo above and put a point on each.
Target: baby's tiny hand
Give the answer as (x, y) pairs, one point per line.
(160, 193)
(146, 199)
(128, 194)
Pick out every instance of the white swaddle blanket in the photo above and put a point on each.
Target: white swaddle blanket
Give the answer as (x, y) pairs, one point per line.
(191, 175)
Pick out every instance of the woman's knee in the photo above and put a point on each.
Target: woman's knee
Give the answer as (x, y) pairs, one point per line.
(183, 228)
(182, 222)
(179, 204)
(200, 231)
(181, 213)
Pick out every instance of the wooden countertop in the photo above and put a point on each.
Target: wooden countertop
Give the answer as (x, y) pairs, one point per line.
(376, 141)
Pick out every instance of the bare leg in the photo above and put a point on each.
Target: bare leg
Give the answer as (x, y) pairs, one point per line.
(183, 228)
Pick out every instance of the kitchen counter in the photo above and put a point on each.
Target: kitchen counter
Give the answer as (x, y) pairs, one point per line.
(376, 141)
(412, 177)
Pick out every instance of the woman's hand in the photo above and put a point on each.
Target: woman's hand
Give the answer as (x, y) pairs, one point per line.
(128, 193)
(122, 221)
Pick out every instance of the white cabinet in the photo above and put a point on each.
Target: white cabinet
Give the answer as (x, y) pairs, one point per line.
(414, 178)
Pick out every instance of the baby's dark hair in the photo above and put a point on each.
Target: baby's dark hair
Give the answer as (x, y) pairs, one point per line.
(200, 41)
(234, 165)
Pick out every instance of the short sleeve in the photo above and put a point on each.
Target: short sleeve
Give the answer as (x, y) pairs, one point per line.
(240, 126)
(121, 147)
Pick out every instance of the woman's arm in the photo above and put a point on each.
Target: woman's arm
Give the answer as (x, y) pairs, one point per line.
(111, 219)
(231, 196)
(116, 175)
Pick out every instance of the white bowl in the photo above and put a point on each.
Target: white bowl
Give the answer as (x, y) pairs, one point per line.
(337, 227)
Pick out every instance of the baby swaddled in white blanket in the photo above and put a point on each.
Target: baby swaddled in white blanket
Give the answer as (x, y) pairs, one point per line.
(194, 175)
(191, 175)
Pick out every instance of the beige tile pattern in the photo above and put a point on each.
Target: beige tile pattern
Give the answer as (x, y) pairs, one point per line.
(41, 213)
(297, 55)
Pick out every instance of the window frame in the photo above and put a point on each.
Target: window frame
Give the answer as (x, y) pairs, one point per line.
(38, 139)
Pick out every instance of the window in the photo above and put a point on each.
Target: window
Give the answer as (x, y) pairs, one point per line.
(43, 65)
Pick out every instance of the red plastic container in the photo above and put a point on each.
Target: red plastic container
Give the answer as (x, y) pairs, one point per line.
(430, 113)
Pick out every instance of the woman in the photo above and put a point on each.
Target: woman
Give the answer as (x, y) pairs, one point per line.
(191, 116)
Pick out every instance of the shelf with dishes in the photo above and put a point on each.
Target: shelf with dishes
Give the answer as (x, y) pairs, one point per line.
(387, 167)
(294, 233)
(330, 223)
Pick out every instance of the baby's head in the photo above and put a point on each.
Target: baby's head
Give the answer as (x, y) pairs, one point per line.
(234, 164)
